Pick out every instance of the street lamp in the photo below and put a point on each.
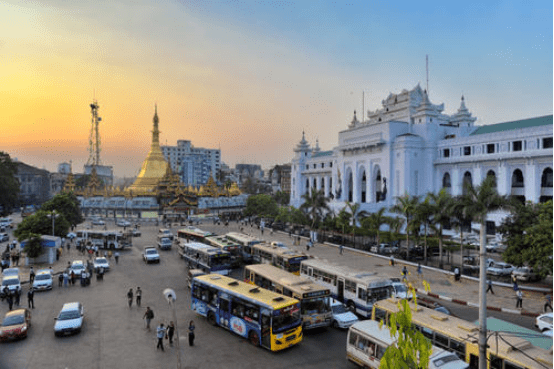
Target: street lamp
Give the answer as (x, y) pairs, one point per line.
(53, 215)
(170, 296)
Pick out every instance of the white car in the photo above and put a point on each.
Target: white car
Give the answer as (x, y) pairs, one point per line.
(400, 291)
(4, 237)
(101, 262)
(10, 272)
(98, 222)
(123, 223)
(150, 255)
(544, 322)
(77, 267)
(12, 282)
(500, 269)
(70, 319)
(43, 280)
(342, 318)
(525, 274)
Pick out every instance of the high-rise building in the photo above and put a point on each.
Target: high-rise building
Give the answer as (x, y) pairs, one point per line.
(193, 164)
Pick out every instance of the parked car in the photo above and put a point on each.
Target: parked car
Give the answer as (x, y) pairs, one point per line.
(136, 233)
(10, 272)
(123, 223)
(77, 267)
(500, 269)
(525, 274)
(342, 317)
(70, 319)
(12, 282)
(166, 233)
(150, 255)
(4, 237)
(15, 325)
(98, 222)
(400, 291)
(101, 262)
(544, 322)
(494, 247)
(43, 280)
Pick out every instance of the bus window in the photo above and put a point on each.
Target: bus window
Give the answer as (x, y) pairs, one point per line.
(441, 341)
(361, 293)
(224, 305)
(508, 365)
(495, 362)
(237, 308)
(380, 352)
(458, 347)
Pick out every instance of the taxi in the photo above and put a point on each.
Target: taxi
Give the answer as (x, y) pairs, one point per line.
(15, 325)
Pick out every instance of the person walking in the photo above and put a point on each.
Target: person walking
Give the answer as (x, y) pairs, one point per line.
(489, 288)
(138, 293)
(130, 297)
(514, 281)
(419, 271)
(519, 297)
(72, 276)
(191, 333)
(457, 274)
(17, 295)
(341, 249)
(160, 333)
(9, 297)
(30, 298)
(31, 276)
(405, 274)
(60, 280)
(148, 316)
(392, 260)
(116, 256)
(65, 278)
(170, 332)
(548, 301)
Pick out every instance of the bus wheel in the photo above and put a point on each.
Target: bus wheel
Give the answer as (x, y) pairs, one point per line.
(211, 319)
(351, 306)
(254, 338)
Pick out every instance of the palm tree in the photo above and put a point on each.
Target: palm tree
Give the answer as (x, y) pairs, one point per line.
(439, 204)
(480, 201)
(356, 213)
(406, 206)
(460, 216)
(315, 206)
(423, 214)
(375, 221)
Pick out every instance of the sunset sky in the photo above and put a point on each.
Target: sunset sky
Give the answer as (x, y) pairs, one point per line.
(249, 76)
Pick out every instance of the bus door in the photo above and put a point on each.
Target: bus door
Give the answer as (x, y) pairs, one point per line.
(224, 310)
(340, 289)
(310, 271)
(266, 328)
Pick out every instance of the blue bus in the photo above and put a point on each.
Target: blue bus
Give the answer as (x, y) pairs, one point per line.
(208, 258)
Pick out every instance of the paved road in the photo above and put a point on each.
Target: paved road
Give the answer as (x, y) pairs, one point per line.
(114, 336)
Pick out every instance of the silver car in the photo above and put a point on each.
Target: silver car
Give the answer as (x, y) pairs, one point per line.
(70, 319)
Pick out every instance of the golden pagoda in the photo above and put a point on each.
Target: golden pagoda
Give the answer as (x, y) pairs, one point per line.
(154, 166)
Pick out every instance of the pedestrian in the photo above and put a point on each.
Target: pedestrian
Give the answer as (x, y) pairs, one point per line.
(30, 298)
(489, 288)
(10, 300)
(60, 279)
(191, 333)
(519, 297)
(392, 260)
(65, 278)
(170, 332)
(130, 297)
(514, 281)
(116, 256)
(138, 293)
(148, 316)
(548, 301)
(73, 277)
(419, 272)
(308, 246)
(405, 274)
(31, 276)
(457, 274)
(341, 249)
(17, 295)
(160, 333)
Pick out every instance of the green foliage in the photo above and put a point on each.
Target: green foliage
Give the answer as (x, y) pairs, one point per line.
(67, 205)
(440, 216)
(9, 185)
(261, 205)
(412, 349)
(33, 247)
(315, 206)
(528, 235)
(40, 223)
(282, 198)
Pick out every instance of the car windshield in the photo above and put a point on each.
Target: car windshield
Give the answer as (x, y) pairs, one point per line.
(338, 309)
(43, 277)
(13, 320)
(78, 266)
(101, 261)
(400, 288)
(151, 252)
(10, 282)
(71, 314)
(547, 319)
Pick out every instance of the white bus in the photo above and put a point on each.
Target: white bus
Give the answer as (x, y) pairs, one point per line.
(367, 342)
(246, 242)
(226, 244)
(112, 240)
(281, 257)
(208, 258)
(358, 290)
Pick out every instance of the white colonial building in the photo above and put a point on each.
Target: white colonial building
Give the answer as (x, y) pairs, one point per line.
(411, 147)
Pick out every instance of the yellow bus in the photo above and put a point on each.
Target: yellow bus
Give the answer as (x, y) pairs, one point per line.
(461, 337)
(314, 299)
(281, 257)
(265, 318)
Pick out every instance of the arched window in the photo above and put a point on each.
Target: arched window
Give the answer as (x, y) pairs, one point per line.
(350, 186)
(446, 181)
(517, 179)
(315, 183)
(466, 182)
(364, 186)
(307, 185)
(546, 179)
(491, 173)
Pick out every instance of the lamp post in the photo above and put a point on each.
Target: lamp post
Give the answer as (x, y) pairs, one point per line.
(171, 297)
(53, 215)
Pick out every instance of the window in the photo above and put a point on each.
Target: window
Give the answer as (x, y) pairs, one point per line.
(547, 143)
(323, 165)
(350, 286)
(446, 153)
(467, 150)
(490, 148)
(307, 167)
(330, 164)
(315, 166)
(517, 146)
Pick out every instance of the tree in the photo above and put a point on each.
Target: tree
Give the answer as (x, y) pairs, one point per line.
(261, 205)
(459, 211)
(480, 201)
(528, 236)
(374, 221)
(40, 223)
(66, 204)
(424, 213)
(33, 247)
(412, 349)
(282, 198)
(9, 185)
(315, 206)
(406, 206)
(440, 203)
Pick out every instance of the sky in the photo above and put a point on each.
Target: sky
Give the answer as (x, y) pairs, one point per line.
(248, 77)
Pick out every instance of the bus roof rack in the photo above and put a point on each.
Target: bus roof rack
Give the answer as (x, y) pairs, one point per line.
(234, 283)
(254, 290)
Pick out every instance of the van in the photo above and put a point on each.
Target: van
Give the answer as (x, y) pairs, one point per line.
(165, 233)
(164, 242)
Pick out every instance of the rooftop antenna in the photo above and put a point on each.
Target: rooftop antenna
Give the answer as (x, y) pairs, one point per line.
(427, 71)
(94, 139)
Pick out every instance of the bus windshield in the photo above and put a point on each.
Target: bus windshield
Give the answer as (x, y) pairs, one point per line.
(219, 260)
(316, 305)
(286, 318)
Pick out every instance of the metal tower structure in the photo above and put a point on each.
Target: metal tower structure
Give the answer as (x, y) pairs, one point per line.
(94, 140)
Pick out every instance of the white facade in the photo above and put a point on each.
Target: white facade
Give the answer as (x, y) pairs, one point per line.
(194, 165)
(410, 147)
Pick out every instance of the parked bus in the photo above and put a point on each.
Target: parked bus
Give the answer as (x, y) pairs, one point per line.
(367, 342)
(193, 234)
(110, 239)
(205, 257)
(265, 318)
(246, 242)
(281, 257)
(358, 290)
(314, 299)
(226, 244)
(459, 336)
